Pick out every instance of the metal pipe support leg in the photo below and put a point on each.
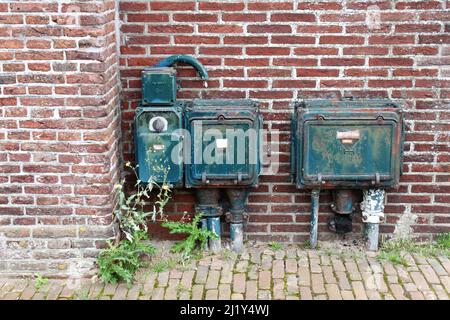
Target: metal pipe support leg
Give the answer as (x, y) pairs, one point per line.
(215, 245)
(373, 214)
(314, 218)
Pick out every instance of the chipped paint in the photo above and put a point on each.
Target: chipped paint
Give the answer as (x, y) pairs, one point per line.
(403, 227)
(215, 245)
(314, 217)
(372, 208)
(237, 237)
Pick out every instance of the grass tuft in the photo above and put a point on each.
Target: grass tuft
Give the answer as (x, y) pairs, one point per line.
(275, 245)
(394, 250)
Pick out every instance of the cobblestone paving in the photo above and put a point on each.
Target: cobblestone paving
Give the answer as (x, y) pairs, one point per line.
(262, 273)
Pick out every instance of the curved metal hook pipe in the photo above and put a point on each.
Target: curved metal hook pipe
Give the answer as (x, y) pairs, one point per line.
(171, 60)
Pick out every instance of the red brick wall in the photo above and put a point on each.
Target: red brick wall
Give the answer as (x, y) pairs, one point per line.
(60, 119)
(59, 131)
(279, 51)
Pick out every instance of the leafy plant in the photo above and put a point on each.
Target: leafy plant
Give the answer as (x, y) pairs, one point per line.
(275, 245)
(40, 281)
(195, 234)
(121, 261)
(443, 240)
(393, 257)
(131, 214)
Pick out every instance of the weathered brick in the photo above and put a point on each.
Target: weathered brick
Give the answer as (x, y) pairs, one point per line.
(294, 49)
(239, 283)
(40, 80)
(213, 279)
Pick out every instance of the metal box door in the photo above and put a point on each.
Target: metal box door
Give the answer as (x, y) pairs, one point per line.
(233, 157)
(159, 152)
(348, 147)
(331, 152)
(224, 147)
(159, 86)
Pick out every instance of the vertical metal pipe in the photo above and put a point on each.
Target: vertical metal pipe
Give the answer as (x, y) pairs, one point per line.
(237, 237)
(373, 214)
(214, 226)
(237, 199)
(204, 223)
(372, 234)
(342, 201)
(208, 206)
(314, 218)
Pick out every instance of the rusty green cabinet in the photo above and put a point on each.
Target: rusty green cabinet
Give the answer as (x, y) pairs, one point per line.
(224, 150)
(347, 144)
(159, 145)
(203, 144)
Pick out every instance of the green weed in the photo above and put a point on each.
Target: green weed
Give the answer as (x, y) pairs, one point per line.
(40, 281)
(195, 235)
(394, 250)
(121, 261)
(275, 245)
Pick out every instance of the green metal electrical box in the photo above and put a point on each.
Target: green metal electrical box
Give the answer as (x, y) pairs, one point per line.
(159, 144)
(203, 144)
(224, 146)
(347, 144)
(159, 86)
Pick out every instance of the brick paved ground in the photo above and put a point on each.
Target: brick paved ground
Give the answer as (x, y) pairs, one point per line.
(262, 273)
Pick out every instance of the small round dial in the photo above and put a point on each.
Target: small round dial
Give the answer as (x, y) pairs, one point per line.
(158, 124)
